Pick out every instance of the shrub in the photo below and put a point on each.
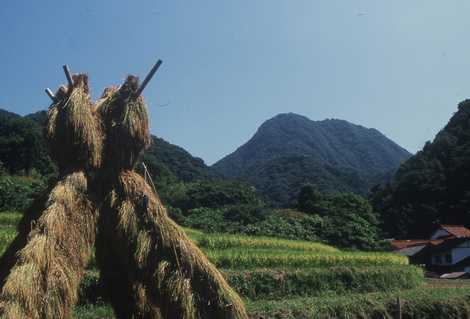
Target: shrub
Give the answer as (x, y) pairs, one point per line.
(282, 225)
(207, 219)
(17, 192)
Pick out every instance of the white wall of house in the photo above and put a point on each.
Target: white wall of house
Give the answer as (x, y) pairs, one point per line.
(457, 254)
(461, 252)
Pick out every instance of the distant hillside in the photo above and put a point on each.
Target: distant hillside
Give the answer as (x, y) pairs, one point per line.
(22, 147)
(172, 163)
(433, 186)
(290, 150)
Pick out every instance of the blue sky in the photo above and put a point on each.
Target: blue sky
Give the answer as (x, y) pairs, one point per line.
(398, 66)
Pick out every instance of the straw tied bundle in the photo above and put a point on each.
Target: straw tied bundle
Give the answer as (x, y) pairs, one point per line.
(149, 267)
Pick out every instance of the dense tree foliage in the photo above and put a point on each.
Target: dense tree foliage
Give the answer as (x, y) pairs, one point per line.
(350, 222)
(431, 187)
(22, 146)
(348, 219)
(210, 194)
(169, 163)
(310, 200)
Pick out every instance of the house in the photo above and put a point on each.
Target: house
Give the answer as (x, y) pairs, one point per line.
(446, 250)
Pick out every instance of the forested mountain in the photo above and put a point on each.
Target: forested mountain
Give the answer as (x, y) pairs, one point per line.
(433, 186)
(291, 150)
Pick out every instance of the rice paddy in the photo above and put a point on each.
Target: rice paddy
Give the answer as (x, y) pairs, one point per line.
(294, 279)
(257, 258)
(224, 241)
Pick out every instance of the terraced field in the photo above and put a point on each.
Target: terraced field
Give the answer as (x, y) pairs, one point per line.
(298, 279)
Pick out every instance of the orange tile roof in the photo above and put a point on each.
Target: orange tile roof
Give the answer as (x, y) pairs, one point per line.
(405, 243)
(400, 244)
(458, 231)
(455, 231)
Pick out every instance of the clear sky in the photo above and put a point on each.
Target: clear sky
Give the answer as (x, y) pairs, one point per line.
(399, 66)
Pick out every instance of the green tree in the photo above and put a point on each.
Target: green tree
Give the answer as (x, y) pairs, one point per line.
(211, 194)
(310, 200)
(350, 222)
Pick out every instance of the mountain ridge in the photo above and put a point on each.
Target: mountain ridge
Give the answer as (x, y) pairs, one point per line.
(330, 145)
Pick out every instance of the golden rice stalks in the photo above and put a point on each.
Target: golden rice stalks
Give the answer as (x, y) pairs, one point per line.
(73, 130)
(125, 120)
(44, 279)
(175, 274)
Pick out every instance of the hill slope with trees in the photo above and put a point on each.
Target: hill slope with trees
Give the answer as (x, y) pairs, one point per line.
(22, 147)
(26, 166)
(290, 150)
(431, 187)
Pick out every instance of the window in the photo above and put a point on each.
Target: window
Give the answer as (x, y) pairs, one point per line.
(437, 259)
(449, 258)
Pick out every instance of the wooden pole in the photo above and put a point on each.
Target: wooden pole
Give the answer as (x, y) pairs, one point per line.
(148, 78)
(68, 75)
(400, 310)
(50, 94)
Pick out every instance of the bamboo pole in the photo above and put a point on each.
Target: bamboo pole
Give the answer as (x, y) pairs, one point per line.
(68, 75)
(50, 94)
(148, 78)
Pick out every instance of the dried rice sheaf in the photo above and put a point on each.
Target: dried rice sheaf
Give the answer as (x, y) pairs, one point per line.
(44, 280)
(175, 277)
(42, 267)
(73, 129)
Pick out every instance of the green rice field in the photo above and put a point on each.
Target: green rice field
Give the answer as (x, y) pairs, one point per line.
(297, 279)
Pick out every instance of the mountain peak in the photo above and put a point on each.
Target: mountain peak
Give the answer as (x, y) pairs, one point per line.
(333, 143)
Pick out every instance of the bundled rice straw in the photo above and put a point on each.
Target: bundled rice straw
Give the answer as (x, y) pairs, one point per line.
(150, 268)
(73, 130)
(42, 268)
(176, 275)
(44, 279)
(126, 124)
(173, 276)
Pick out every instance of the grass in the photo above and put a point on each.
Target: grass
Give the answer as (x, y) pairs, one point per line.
(9, 218)
(444, 303)
(7, 234)
(94, 312)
